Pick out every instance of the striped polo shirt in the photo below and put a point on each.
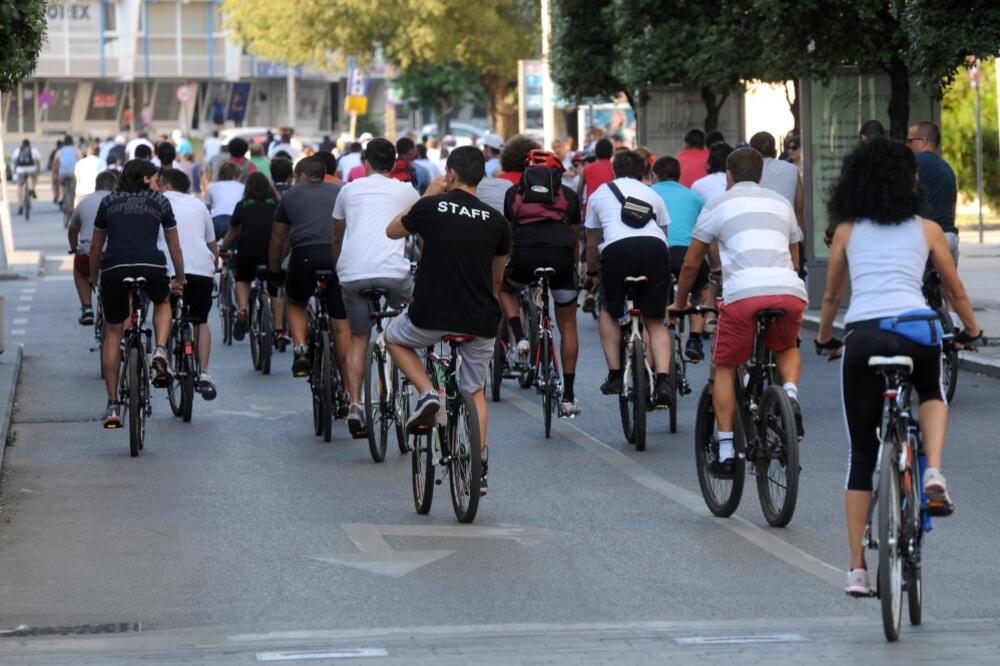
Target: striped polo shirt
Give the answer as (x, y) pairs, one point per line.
(755, 228)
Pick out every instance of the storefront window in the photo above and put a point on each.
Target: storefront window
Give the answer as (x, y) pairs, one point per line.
(59, 97)
(105, 100)
(165, 104)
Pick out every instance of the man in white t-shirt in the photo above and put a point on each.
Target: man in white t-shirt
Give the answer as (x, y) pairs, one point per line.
(781, 176)
(140, 140)
(86, 171)
(198, 246)
(211, 147)
(27, 163)
(616, 250)
(368, 259)
(492, 145)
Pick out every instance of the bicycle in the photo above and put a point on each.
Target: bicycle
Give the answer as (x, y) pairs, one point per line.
(949, 353)
(261, 325)
(501, 366)
(636, 397)
(24, 195)
(766, 437)
(226, 298)
(902, 508)
(679, 385)
(324, 377)
(386, 393)
(454, 443)
(134, 380)
(545, 366)
(184, 363)
(98, 327)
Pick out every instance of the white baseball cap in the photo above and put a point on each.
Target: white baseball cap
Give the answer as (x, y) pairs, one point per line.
(365, 137)
(493, 141)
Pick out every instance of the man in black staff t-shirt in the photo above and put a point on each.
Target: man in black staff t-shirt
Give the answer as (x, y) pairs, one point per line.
(465, 245)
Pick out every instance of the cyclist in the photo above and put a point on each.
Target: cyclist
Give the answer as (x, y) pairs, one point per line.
(222, 197)
(197, 238)
(281, 174)
(81, 230)
(758, 238)
(64, 164)
(545, 218)
(366, 258)
(304, 219)
(129, 221)
(27, 163)
(624, 247)
(465, 246)
(880, 239)
(597, 173)
(514, 156)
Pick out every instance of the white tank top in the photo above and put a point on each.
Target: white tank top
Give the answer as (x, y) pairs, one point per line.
(886, 264)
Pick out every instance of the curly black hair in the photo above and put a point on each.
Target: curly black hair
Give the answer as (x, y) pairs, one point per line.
(878, 181)
(515, 152)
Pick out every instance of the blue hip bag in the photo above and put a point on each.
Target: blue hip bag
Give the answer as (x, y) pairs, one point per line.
(922, 326)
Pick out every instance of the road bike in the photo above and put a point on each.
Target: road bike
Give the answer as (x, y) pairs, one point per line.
(949, 353)
(766, 437)
(899, 505)
(184, 362)
(545, 364)
(679, 385)
(324, 377)
(261, 325)
(387, 400)
(637, 396)
(453, 443)
(226, 298)
(134, 382)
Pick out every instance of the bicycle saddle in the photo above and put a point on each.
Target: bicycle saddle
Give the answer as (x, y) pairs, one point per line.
(636, 280)
(324, 276)
(374, 293)
(765, 316)
(262, 272)
(457, 339)
(137, 281)
(547, 271)
(903, 363)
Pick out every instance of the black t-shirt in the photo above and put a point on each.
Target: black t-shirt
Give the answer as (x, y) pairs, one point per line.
(454, 288)
(938, 183)
(308, 209)
(544, 234)
(133, 221)
(253, 220)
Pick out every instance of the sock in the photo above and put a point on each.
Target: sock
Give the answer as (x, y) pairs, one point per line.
(792, 390)
(661, 377)
(300, 349)
(616, 374)
(516, 328)
(568, 378)
(695, 336)
(726, 451)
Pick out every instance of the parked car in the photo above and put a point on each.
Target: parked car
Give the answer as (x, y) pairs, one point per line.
(463, 132)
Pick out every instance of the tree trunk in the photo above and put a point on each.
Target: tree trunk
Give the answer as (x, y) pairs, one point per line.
(899, 100)
(443, 122)
(713, 105)
(793, 104)
(502, 106)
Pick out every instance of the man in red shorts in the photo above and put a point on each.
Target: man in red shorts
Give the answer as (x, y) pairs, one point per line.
(758, 238)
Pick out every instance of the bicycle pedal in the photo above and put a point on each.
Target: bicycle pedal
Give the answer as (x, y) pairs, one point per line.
(940, 509)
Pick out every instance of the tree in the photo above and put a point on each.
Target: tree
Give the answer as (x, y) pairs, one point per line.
(442, 88)
(583, 49)
(22, 32)
(958, 129)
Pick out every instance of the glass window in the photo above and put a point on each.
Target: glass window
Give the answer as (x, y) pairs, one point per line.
(62, 96)
(105, 100)
(165, 104)
(28, 105)
(110, 17)
(216, 101)
(194, 19)
(162, 18)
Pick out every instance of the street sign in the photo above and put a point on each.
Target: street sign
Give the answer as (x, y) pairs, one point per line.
(184, 93)
(356, 104)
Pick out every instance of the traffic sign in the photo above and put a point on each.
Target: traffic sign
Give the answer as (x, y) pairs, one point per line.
(356, 104)
(184, 93)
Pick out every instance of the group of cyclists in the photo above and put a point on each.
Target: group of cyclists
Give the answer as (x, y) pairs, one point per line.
(657, 233)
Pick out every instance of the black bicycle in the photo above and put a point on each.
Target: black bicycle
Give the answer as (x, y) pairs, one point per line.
(766, 437)
(324, 377)
(637, 396)
(226, 298)
(949, 353)
(261, 324)
(503, 365)
(134, 380)
(453, 443)
(679, 385)
(184, 364)
(545, 363)
(387, 403)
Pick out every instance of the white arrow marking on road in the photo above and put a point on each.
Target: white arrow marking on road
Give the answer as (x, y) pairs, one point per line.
(339, 654)
(378, 556)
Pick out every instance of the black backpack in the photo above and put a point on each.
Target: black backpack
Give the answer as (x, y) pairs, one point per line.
(539, 184)
(636, 213)
(24, 157)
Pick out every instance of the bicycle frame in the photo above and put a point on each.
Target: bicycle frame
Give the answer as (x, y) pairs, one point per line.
(134, 336)
(545, 330)
(634, 335)
(751, 379)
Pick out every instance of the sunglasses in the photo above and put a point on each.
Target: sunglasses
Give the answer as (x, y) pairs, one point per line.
(793, 146)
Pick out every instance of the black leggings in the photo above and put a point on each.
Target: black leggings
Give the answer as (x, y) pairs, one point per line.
(862, 389)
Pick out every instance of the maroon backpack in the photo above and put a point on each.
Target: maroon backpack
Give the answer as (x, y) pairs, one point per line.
(539, 197)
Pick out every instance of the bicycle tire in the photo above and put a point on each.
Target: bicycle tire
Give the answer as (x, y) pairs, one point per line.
(548, 384)
(890, 560)
(624, 409)
(780, 438)
(527, 376)
(722, 496)
(136, 410)
(374, 403)
(464, 442)
(640, 395)
(226, 294)
(915, 595)
(187, 388)
(949, 357)
(497, 367)
(422, 470)
(326, 387)
(401, 408)
(673, 381)
(266, 329)
(173, 383)
(914, 520)
(254, 332)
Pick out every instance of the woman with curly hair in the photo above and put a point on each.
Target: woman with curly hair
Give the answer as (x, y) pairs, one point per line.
(514, 156)
(879, 239)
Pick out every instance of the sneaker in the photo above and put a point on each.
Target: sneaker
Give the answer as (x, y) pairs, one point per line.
(857, 583)
(588, 302)
(613, 385)
(569, 409)
(206, 386)
(34, 195)
(797, 410)
(86, 316)
(936, 490)
(161, 366)
(113, 415)
(661, 392)
(341, 404)
(240, 325)
(300, 361)
(424, 413)
(694, 350)
(356, 422)
(523, 349)
(280, 340)
(723, 469)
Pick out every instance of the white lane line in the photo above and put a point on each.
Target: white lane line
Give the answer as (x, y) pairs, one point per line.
(17, 331)
(27, 298)
(24, 308)
(692, 501)
(28, 290)
(20, 321)
(58, 278)
(740, 640)
(338, 654)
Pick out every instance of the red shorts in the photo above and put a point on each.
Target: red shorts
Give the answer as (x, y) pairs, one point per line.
(81, 264)
(735, 331)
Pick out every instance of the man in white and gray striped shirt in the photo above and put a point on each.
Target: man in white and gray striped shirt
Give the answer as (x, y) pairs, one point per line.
(757, 236)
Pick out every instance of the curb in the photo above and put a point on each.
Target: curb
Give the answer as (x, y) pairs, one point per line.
(8, 406)
(967, 360)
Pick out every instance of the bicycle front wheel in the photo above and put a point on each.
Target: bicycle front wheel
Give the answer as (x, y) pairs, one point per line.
(722, 496)
(465, 465)
(674, 380)
(265, 328)
(136, 410)
(949, 357)
(890, 536)
(640, 395)
(401, 409)
(548, 383)
(326, 386)
(375, 404)
(777, 463)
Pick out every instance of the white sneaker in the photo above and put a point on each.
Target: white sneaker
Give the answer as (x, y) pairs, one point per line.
(568, 410)
(857, 583)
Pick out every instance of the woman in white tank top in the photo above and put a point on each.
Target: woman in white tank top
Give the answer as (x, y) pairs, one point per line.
(881, 242)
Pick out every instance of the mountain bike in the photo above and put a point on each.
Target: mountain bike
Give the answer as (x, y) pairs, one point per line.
(184, 363)
(678, 361)
(637, 375)
(766, 437)
(454, 443)
(324, 377)
(261, 325)
(134, 382)
(387, 402)
(226, 298)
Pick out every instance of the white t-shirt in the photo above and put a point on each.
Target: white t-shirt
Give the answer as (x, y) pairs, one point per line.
(710, 186)
(86, 171)
(293, 148)
(211, 147)
(195, 230)
(368, 206)
(223, 195)
(492, 167)
(431, 167)
(131, 146)
(781, 177)
(347, 162)
(604, 212)
(35, 157)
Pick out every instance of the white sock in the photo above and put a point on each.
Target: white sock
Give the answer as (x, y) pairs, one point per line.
(726, 451)
(792, 390)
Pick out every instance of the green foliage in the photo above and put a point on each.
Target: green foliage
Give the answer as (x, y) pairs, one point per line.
(371, 124)
(583, 49)
(441, 88)
(958, 127)
(941, 35)
(22, 32)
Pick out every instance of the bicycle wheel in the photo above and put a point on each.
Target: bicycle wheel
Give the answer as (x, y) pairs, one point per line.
(265, 327)
(465, 464)
(176, 365)
(640, 395)
(422, 449)
(401, 407)
(913, 520)
(674, 380)
(226, 306)
(624, 409)
(949, 357)
(777, 465)
(375, 404)
(722, 496)
(548, 383)
(254, 333)
(136, 410)
(187, 388)
(326, 387)
(527, 376)
(497, 366)
(890, 533)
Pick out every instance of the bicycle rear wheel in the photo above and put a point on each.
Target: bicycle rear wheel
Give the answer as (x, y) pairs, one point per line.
(722, 496)
(187, 387)
(890, 537)
(640, 395)
(177, 366)
(466, 462)
(497, 367)
(548, 383)
(674, 381)
(375, 404)
(777, 465)
(226, 306)
(326, 386)
(265, 327)
(136, 410)
(624, 408)
(913, 520)
(255, 339)
(527, 376)
(949, 357)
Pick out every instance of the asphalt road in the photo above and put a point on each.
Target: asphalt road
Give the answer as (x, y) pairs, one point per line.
(241, 534)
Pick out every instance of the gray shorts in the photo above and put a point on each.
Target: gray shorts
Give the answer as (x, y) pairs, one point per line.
(358, 314)
(952, 238)
(476, 355)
